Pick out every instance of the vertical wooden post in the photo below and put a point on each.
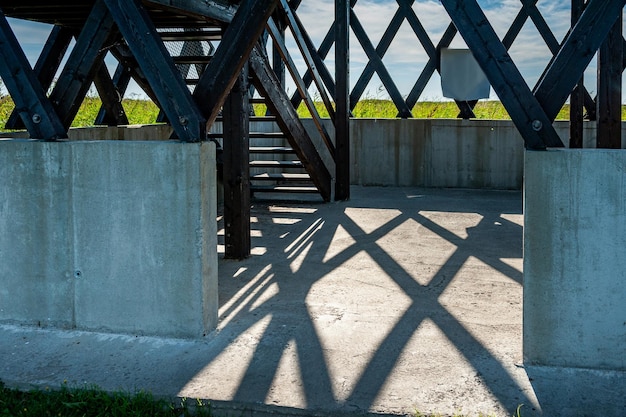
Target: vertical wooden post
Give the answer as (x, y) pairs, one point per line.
(342, 99)
(577, 98)
(236, 116)
(609, 101)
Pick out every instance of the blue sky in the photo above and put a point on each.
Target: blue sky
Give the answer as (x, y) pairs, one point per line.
(405, 57)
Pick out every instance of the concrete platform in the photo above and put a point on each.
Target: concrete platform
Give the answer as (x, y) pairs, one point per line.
(397, 301)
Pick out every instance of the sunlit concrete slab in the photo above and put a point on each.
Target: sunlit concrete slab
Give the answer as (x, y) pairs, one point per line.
(399, 300)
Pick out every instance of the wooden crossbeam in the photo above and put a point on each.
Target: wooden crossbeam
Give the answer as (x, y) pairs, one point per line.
(218, 11)
(379, 67)
(31, 103)
(466, 108)
(84, 61)
(291, 67)
(525, 111)
(46, 66)
(307, 56)
(269, 86)
(577, 50)
(529, 9)
(121, 79)
(147, 47)
(381, 49)
(431, 66)
(127, 62)
(230, 56)
(321, 53)
(110, 97)
(318, 61)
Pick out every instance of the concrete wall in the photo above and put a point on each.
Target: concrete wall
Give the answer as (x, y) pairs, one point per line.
(401, 152)
(574, 266)
(110, 236)
(434, 152)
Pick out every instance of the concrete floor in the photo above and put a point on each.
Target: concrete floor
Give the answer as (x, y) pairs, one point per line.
(397, 301)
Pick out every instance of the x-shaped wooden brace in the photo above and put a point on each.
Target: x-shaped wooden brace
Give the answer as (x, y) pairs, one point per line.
(534, 111)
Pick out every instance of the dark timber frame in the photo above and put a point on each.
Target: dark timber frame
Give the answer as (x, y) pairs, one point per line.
(135, 33)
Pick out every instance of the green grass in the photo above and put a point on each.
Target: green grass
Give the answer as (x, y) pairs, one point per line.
(93, 402)
(145, 111)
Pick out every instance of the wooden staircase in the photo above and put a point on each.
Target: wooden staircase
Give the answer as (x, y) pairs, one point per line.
(276, 171)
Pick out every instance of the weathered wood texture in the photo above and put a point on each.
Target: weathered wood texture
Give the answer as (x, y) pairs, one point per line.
(29, 97)
(609, 116)
(342, 97)
(279, 104)
(236, 171)
(239, 39)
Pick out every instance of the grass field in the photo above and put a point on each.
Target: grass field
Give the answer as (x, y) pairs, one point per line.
(145, 112)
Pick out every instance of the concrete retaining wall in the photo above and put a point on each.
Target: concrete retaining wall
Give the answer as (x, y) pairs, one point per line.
(441, 152)
(109, 236)
(402, 152)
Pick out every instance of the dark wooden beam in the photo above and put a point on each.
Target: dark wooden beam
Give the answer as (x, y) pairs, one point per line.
(146, 46)
(46, 66)
(379, 67)
(121, 79)
(29, 97)
(609, 116)
(431, 66)
(291, 67)
(278, 65)
(84, 61)
(127, 62)
(307, 55)
(527, 115)
(220, 11)
(577, 50)
(239, 38)
(342, 100)
(576, 101)
(318, 59)
(381, 49)
(236, 116)
(110, 97)
(287, 119)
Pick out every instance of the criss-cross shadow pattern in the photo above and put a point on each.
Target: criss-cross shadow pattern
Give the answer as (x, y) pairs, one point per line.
(382, 304)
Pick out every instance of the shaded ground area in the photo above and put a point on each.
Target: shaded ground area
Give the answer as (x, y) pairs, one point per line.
(399, 300)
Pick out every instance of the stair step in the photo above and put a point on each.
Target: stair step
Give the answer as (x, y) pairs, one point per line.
(276, 164)
(282, 176)
(263, 118)
(210, 34)
(252, 118)
(266, 135)
(283, 189)
(191, 59)
(271, 149)
(252, 135)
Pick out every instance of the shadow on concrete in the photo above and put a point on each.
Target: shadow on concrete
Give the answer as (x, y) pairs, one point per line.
(399, 300)
(408, 245)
